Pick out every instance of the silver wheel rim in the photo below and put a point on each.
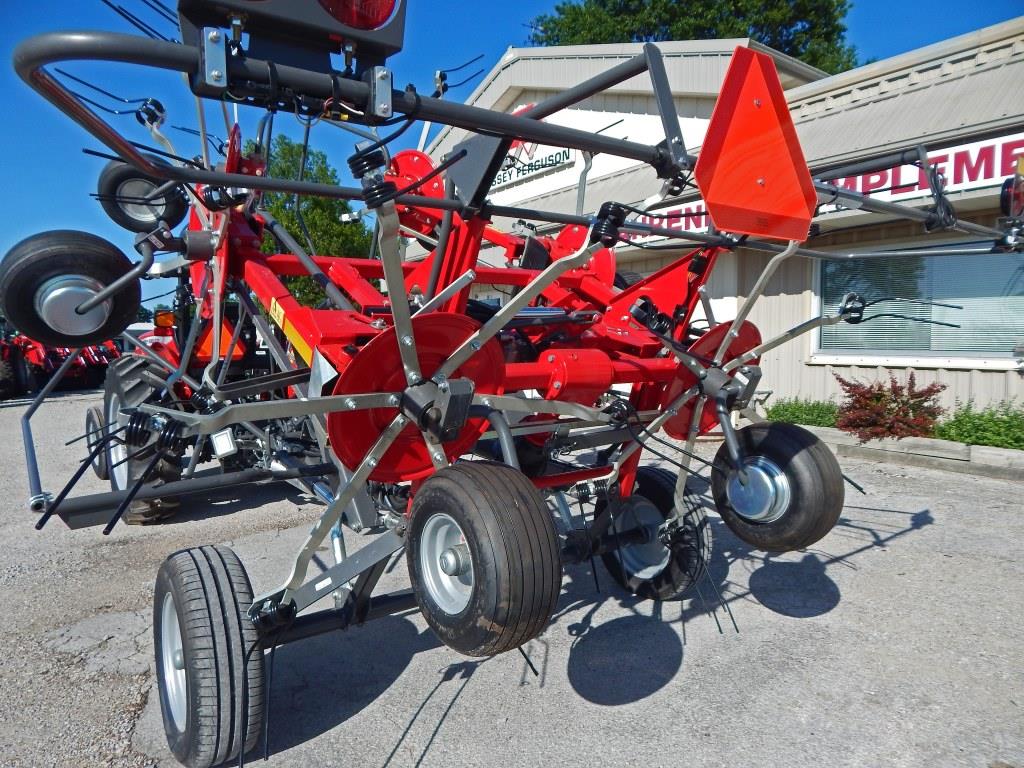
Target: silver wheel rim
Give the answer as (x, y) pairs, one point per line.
(642, 561)
(766, 495)
(57, 300)
(142, 212)
(172, 661)
(116, 450)
(446, 564)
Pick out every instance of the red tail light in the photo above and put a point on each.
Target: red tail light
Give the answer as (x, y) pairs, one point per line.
(360, 14)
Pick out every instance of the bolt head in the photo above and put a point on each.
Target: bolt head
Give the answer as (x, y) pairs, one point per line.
(407, 341)
(214, 36)
(557, 385)
(474, 344)
(216, 75)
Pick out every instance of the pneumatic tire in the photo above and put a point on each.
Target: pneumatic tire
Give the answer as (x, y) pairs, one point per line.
(81, 258)
(120, 185)
(95, 431)
(209, 660)
(659, 570)
(491, 528)
(794, 494)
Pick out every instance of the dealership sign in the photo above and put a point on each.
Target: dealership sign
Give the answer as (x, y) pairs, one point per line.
(527, 161)
(978, 165)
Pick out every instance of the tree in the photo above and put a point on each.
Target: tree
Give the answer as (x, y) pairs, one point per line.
(810, 30)
(322, 216)
(145, 315)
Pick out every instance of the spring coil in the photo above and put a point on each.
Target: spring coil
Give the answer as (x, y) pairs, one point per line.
(169, 439)
(376, 195)
(363, 163)
(592, 491)
(137, 432)
(203, 402)
(606, 225)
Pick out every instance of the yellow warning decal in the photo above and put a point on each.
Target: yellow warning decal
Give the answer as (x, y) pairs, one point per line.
(299, 344)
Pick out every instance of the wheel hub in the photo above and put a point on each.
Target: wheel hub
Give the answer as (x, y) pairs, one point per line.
(642, 560)
(58, 299)
(455, 561)
(446, 564)
(766, 494)
(130, 194)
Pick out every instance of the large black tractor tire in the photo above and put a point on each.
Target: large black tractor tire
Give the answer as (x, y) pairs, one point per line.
(794, 491)
(124, 390)
(78, 264)
(9, 378)
(120, 187)
(483, 558)
(659, 569)
(209, 661)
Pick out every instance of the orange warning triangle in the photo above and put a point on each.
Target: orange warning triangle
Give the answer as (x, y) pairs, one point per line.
(751, 170)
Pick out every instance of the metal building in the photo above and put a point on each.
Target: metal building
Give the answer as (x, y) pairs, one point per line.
(962, 98)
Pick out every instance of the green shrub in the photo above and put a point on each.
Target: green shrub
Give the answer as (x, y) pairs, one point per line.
(814, 413)
(1000, 425)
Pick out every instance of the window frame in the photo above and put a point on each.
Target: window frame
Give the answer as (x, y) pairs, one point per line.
(872, 358)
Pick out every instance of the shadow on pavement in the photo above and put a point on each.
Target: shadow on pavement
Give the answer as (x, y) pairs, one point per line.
(601, 673)
(321, 682)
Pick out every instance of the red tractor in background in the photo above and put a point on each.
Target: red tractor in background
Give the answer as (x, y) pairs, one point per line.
(26, 365)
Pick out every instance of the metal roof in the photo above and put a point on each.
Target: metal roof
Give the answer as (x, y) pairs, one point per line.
(694, 67)
(963, 88)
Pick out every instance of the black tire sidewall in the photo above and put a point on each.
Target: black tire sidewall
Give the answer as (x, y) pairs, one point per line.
(116, 173)
(179, 741)
(463, 630)
(96, 430)
(657, 485)
(36, 259)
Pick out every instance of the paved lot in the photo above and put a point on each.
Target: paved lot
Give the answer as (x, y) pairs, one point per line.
(896, 641)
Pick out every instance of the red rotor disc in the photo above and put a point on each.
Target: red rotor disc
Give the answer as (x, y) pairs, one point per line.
(706, 346)
(378, 368)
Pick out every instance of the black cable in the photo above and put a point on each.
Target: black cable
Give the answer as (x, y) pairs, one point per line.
(407, 121)
(441, 168)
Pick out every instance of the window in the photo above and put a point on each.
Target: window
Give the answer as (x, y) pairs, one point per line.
(990, 288)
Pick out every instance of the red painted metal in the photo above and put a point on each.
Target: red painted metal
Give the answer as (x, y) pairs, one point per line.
(378, 368)
(751, 170)
(705, 347)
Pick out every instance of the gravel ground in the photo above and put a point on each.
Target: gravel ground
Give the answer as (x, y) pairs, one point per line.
(894, 641)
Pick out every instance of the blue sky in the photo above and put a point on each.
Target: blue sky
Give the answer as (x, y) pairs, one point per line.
(47, 179)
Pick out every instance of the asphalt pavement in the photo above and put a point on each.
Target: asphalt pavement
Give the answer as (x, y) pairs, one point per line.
(895, 641)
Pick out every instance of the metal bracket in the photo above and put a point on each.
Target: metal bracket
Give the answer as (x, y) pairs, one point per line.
(214, 60)
(379, 80)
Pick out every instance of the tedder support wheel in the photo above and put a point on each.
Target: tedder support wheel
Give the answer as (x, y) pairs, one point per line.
(483, 557)
(122, 191)
(794, 490)
(45, 277)
(655, 570)
(94, 430)
(209, 662)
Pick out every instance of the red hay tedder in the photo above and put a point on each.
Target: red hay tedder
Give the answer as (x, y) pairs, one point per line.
(374, 401)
